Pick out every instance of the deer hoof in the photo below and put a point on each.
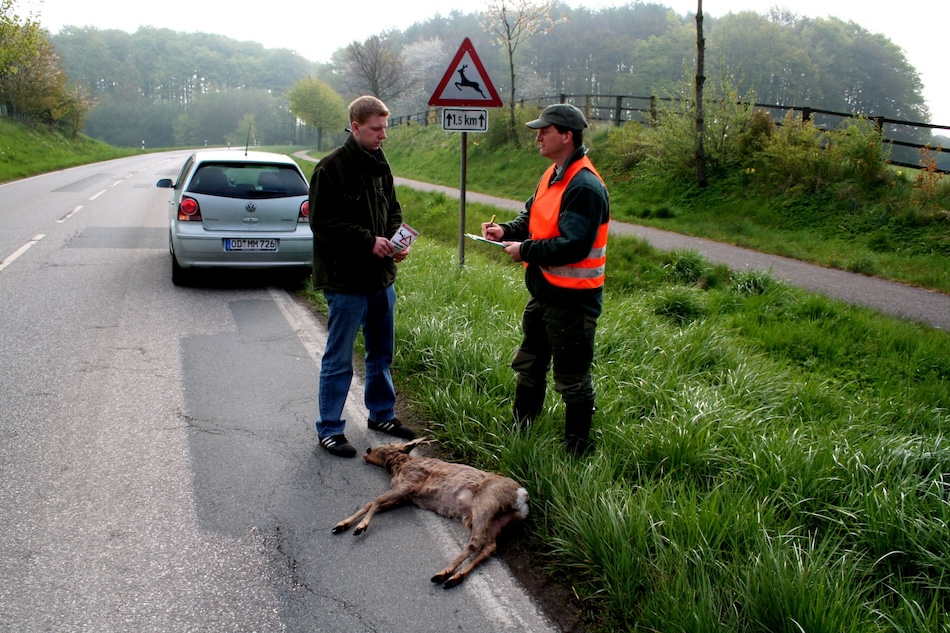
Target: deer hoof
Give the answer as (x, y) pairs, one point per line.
(454, 581)
(359, 530)
(440, 578)
(340, 528)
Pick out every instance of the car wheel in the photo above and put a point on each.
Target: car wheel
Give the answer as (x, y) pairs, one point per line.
(180, 276)
(296, 279)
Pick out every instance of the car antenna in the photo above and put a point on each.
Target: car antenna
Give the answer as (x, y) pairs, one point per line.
(248, 143)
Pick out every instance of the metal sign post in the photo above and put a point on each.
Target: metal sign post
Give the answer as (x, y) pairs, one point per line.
(462, 179)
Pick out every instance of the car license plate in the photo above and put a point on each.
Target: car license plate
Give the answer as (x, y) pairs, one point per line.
(250, 244)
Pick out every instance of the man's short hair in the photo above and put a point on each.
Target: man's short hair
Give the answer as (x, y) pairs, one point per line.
(576, 135)
(362, 108)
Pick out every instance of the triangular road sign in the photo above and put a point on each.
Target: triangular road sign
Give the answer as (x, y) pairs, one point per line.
(465, 83)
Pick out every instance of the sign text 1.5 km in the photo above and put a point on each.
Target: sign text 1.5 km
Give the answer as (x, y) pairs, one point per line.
(465, 119)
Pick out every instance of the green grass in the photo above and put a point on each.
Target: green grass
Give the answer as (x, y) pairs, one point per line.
(28, 151)
(766, 459)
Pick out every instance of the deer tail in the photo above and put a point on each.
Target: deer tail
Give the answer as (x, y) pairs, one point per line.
(520, 506)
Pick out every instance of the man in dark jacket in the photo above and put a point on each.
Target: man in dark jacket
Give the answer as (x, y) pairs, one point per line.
(353, 213)
(561, 237)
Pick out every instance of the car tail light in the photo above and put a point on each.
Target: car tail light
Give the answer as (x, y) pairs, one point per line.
(304, 211)
(188, 210)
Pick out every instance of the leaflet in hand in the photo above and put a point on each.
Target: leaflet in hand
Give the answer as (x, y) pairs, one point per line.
(404, 237)
(479, 238)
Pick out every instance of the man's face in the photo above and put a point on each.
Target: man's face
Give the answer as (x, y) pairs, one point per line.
(371, 133)
(554, 145)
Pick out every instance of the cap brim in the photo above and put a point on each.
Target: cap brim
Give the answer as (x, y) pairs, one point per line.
(537, 124)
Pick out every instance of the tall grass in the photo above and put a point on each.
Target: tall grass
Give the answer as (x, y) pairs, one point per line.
(766, 459)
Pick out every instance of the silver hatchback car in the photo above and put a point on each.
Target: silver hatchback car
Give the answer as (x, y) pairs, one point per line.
(238, 209)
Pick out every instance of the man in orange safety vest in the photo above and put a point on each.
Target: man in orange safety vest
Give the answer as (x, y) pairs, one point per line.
(561, 236)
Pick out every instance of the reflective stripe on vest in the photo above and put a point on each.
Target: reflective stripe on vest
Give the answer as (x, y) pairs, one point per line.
(542, 224)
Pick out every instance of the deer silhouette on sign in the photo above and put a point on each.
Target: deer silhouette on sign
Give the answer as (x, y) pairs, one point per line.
(467, 82)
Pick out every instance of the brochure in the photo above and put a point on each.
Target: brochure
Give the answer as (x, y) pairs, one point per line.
(404, 237)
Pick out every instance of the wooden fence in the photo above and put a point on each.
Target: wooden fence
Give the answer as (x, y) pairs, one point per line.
(905, 139)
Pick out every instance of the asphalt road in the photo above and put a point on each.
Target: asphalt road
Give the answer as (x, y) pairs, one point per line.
(159, 469)
(891, 298)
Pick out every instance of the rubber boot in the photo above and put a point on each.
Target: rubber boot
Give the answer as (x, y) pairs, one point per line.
(577, 423)
(528, 404)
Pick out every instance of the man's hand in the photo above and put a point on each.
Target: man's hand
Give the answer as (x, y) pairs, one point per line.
(383, 247)
(493, 232)
(514, 250)
(401, 255)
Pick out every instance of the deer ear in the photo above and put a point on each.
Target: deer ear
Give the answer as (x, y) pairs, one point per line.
(407, 448)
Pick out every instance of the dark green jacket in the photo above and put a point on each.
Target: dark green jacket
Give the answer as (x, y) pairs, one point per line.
(585, 205)
(352, 201)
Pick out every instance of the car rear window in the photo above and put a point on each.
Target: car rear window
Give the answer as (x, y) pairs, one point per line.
(248, 180)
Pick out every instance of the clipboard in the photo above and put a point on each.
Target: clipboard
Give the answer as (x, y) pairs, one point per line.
(479, 238)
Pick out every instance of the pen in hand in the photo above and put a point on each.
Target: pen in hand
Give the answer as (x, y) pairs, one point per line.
(485, 228)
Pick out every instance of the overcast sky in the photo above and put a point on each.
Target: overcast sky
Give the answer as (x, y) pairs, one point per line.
(317, 30)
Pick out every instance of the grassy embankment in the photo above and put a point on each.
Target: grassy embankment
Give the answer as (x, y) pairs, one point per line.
(767, 459)
(28, 151)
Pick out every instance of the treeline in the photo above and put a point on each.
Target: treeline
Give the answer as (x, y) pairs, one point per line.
(164, 88)
(168, 88)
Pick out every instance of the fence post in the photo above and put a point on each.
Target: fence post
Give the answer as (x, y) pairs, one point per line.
(806, 115)
(653, 117)
(617, 111)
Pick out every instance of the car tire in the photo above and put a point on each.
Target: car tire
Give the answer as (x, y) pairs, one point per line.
(296, 279)
(180, 276)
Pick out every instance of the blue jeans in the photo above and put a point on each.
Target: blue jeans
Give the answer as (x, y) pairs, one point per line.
(348, 313)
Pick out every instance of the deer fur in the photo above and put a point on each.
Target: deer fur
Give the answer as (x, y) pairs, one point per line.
(484, 502)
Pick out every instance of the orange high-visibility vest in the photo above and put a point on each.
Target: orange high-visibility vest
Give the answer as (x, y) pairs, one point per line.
(587, 273)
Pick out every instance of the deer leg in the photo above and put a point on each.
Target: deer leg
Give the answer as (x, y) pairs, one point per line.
(482, 544)
(345, 524)
(443, 575)
(483, 554)
(390, 499)
(480, 535)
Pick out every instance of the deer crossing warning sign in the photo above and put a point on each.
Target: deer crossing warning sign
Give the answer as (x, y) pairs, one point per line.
(465, 83)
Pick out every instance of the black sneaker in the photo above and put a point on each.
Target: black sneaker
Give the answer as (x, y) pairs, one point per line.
(392, 427)
(337, 445)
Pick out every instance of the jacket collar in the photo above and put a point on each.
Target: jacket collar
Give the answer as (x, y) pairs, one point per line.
(373, 162)
(577, 154)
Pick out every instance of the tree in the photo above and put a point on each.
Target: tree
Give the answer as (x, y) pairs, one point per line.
(33, 81)
(513, 22)
(18, 39)
(245, 135)
(374, 67)
(318, 105)
(423, 61)
(700, 80)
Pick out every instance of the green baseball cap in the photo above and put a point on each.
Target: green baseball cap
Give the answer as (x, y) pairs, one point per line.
(562, 114)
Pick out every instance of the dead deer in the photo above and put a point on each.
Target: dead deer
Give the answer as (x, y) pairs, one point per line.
(484, 502)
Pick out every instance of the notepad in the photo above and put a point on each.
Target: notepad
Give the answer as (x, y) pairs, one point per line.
(479, 238)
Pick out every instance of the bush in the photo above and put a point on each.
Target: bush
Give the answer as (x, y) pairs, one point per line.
(800, 156)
